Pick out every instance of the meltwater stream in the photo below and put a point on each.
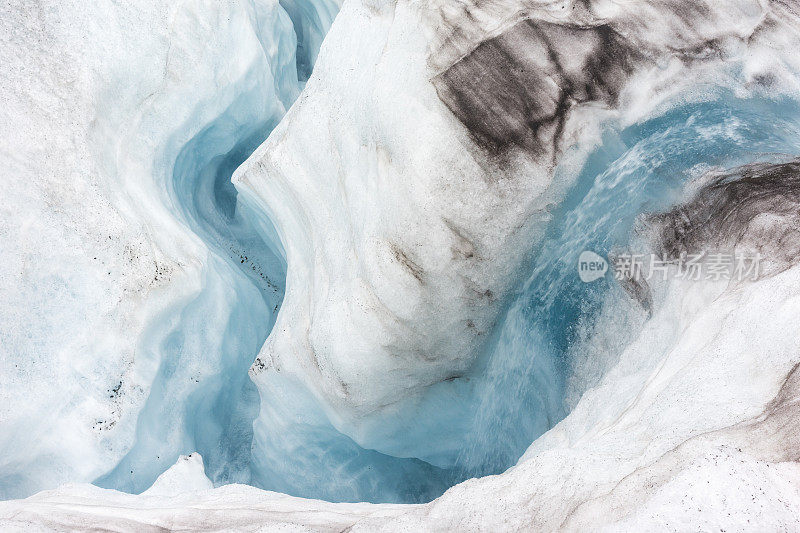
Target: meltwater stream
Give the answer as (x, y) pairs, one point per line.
(537, 359)
(203, 400)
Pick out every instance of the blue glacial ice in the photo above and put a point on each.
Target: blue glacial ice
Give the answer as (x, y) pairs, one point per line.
(202, 398)
(482, 422)
(476, 424)
(279, 435)
(331, 248)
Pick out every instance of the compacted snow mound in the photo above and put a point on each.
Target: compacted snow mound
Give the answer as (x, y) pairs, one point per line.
(186, 475)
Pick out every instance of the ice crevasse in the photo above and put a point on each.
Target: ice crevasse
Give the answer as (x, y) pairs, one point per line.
(344, 269)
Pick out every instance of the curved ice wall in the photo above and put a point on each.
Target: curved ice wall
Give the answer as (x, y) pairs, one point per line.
(140, 350)
(433, 226)
(546, 349)
(202, 398)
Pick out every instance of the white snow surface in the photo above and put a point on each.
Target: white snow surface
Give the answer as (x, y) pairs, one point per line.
(695, 426)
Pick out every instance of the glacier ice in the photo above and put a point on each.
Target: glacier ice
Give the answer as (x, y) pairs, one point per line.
(175, 283)
(416, 218)
(243, 278)
(399, 316)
